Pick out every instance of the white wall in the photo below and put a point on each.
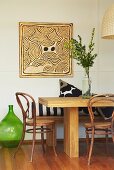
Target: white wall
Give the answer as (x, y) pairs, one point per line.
(106, 55)
(84, 14)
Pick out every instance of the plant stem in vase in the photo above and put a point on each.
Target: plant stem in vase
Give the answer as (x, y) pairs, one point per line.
(86, 85)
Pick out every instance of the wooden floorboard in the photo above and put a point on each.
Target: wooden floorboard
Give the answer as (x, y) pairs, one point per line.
(102, 159)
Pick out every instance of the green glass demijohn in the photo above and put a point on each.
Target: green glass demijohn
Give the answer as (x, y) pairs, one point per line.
(11, 129)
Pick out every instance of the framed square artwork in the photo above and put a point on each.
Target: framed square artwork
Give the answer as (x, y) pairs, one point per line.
(42, 51)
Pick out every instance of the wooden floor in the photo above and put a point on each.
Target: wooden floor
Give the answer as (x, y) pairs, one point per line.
(101, 160)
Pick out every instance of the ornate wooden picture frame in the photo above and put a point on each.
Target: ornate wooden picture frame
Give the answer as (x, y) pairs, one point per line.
(42, 51)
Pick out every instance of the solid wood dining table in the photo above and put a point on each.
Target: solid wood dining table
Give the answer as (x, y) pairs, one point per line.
(71, 119)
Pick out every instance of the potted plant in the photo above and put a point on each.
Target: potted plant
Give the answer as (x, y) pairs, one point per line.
(84, 56)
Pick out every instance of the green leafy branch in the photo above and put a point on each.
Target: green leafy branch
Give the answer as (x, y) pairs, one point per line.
(84, 56)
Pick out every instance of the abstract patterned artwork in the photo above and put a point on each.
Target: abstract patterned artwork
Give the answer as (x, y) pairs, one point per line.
(42, 51)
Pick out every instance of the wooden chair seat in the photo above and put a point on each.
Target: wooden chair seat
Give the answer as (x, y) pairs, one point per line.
(100, 125)
(40, 122)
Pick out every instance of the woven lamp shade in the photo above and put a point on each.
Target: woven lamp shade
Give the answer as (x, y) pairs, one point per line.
(108, 24)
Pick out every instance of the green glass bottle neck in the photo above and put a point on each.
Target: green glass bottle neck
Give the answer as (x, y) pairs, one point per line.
(10, 109)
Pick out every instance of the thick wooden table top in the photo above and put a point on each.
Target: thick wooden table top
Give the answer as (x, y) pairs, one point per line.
(69, 102)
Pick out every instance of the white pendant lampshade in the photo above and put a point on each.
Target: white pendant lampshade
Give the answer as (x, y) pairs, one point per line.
(108, 24)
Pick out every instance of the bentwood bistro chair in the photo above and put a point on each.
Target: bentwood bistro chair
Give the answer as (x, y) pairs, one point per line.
(31, 123)
(98, 128)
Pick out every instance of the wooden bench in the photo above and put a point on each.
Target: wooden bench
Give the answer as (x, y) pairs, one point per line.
(60, 119)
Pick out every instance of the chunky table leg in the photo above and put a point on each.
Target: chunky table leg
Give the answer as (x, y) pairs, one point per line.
(71, 138)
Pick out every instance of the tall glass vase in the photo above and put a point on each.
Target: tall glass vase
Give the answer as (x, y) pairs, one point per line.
(86, 85)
